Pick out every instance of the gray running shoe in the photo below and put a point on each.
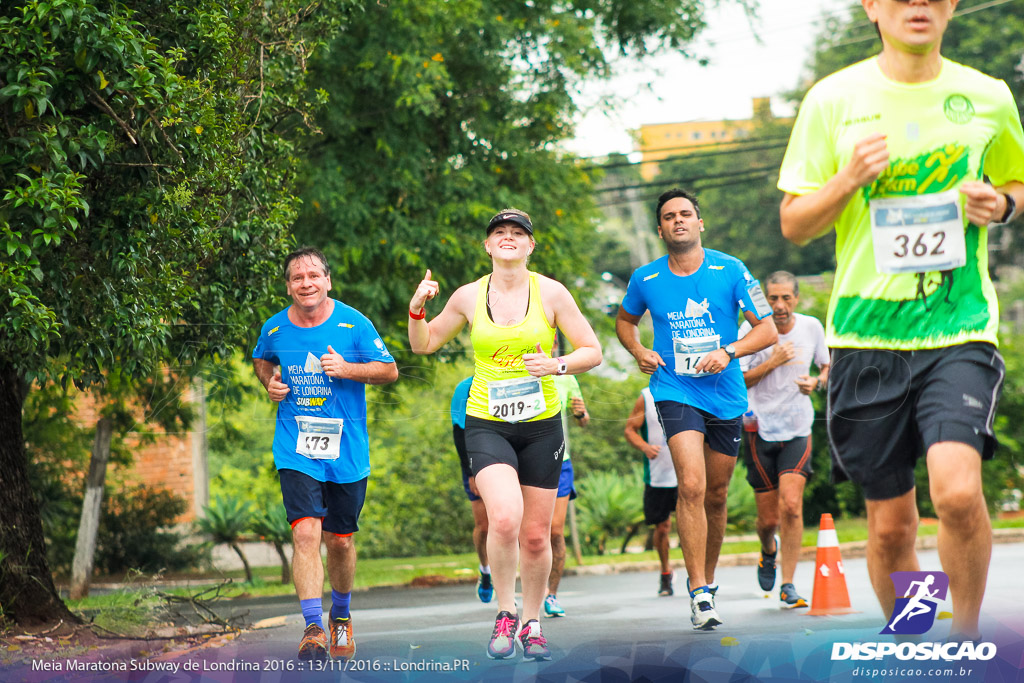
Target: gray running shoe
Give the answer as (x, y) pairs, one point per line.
(766, 568)
(789, 597)
(535, 647)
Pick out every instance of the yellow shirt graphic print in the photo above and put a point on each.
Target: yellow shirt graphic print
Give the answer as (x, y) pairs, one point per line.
(963, 125)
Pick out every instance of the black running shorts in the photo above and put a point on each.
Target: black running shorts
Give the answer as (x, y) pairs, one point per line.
(533, 448)
(337, 505)
(886, 408)
(766, 460)
(659, 503)
(721, 435)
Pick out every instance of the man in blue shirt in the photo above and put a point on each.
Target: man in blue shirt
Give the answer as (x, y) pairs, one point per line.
(315, 359)
(695, 296)
(484, 586)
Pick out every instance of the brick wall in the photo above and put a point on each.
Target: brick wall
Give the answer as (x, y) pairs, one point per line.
(164, 461)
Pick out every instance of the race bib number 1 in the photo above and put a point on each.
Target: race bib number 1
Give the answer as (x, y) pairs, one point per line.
(918, 234)
(689, 353)
(515, 400)
(320, 437)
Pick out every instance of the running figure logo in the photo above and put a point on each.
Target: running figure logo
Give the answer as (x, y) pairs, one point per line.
(921, 593)
(698, 310)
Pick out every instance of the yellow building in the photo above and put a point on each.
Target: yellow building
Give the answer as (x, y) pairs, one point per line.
(660, 140)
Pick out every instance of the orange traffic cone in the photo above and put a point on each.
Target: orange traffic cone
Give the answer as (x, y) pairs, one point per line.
(830, 593)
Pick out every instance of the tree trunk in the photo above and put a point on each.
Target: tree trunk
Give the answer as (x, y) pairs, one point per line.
(85, 545)
(574, 534)
(286, 572)
(245, 563)
(630, 533)
(27, 593)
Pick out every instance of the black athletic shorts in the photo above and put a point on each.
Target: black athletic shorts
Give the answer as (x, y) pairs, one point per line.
(766, 460)
(459, 437)
(722, 435)
(659, 503)
(533, 448)
(886, 408)
(336, 505)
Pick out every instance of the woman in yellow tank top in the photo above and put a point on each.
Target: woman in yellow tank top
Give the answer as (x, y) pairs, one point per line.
(513, 430)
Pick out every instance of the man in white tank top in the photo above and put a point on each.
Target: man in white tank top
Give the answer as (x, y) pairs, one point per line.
(644, 433)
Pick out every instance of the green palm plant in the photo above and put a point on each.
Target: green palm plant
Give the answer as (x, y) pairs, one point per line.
(226, 518)
(271, 524)
(609, 505)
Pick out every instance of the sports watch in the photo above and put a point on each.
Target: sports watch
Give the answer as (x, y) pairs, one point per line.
(1011, 208)
(563, 367)
(730, 350)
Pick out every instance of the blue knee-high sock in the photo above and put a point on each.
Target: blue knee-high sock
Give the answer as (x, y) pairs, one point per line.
(313, 611)
(339, 604)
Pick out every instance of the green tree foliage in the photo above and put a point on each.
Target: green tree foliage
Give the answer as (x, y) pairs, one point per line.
(136, 532)
(148, 159)
(739, 201)
(58, 448)
(442, 113)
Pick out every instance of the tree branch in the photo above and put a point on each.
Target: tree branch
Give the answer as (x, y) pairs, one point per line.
(102, 104)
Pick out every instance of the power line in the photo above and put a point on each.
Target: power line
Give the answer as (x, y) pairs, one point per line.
(701, 155)
(746, 178)
(703, 145)
(662, 183)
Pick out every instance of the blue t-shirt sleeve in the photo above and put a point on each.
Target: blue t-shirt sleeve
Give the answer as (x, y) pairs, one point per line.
(263, 349)
(369, 346)
(634, 302)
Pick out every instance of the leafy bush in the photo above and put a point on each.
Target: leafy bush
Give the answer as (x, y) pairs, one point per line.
(609, 505)
(225, 519)
(135, 532)
(741, 506)
(271, 525)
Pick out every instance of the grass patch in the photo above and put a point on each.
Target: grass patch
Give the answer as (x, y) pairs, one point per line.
(135, 606)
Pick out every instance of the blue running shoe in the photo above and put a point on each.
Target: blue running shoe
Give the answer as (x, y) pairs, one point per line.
(484, 587)
(712, 587)
(552, 608)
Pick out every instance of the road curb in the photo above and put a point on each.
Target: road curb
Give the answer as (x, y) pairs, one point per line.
(849, 550)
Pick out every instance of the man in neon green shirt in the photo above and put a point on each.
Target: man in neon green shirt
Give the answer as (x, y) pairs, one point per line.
(894, 152)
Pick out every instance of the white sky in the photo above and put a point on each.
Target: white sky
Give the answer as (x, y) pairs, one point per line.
(669, 89)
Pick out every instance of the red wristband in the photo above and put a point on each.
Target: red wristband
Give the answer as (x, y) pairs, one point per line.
(418, 316)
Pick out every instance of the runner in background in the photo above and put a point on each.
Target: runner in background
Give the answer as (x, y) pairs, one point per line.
(695, 296)
(778, 453)
(484, 587)
(571, 399)
(644, 433)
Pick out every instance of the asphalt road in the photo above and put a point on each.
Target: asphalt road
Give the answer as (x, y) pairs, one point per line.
(617, 628)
